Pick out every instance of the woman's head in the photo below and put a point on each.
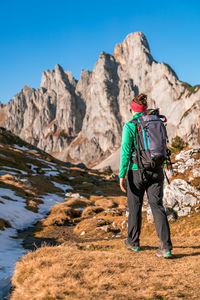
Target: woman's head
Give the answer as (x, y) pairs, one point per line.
(139, 103)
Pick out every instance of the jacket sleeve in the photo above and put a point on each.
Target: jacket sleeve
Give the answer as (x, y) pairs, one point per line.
(126, 149)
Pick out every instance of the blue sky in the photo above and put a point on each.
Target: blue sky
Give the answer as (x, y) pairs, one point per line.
(36, 35)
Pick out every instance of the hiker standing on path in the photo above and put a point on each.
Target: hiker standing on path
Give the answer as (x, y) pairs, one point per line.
(141, 179)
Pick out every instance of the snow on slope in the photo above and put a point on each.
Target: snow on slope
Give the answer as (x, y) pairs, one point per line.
(29, 186)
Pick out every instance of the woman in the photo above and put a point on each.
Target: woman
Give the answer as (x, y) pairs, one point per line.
(137, 185)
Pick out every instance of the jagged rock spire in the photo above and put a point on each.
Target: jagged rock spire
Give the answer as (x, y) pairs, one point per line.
(82, 120)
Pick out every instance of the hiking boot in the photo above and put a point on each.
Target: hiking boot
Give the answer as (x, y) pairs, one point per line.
(133, 248)
(164, 253)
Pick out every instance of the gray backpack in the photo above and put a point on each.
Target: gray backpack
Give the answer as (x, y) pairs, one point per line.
(151, 139)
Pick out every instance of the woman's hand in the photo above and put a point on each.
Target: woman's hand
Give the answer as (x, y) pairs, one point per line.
(122, 184)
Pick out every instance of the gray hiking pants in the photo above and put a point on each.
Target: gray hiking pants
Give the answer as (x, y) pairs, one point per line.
(152, 183)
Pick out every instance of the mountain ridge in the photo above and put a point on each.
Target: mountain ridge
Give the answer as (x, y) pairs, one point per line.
(81, 120)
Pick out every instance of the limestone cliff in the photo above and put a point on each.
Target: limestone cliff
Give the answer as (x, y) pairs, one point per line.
(82, 120)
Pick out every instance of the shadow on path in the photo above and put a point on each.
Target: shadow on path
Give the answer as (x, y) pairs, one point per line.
(148, 248)
(30, 242)
(186, 247)
(176, 256)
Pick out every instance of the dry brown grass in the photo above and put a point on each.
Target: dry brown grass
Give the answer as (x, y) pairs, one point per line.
(18, 159)
(196, 182)
(107, 270)
(9, 179)
(61, 214)
(107, 200)
(23, 190)
(100, 266)
(96, 265)
(92, 211)
(107, 203)
(76, 203)
(4, 224)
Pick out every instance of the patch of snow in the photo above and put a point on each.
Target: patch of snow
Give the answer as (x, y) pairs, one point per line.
(65, 168)
(63, 187)
(73, 195)
(2, 155)
(62, 171)
(51, 173)
(71, 178)
(15, 211)
(19, 217)
(48, 201)
(15, 170)
(25, 180)
(25, 148)
(49, 163)
(5, 287)
(3, 172)
(21, 148)
(33, 167)
(82, 233)
(11, 250)
(34, 151)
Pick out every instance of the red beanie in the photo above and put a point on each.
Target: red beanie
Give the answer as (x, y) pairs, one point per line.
(137, 107)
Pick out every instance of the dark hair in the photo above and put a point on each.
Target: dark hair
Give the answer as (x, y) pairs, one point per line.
(141, 99)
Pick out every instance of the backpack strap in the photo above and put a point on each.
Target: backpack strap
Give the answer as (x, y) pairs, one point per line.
(139, 147)
(168, 161)
(142, 171)
(166, 176)
(163, 117)
(152, 111)
(136, 149)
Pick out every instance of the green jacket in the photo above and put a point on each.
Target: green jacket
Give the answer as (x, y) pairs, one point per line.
(128, 138)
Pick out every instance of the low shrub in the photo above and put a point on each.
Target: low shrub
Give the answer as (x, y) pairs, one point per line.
(178, 143)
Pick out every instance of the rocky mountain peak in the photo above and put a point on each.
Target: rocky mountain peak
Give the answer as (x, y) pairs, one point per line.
(83, 120)
(58, 69)
(57, 80)
(134, 48)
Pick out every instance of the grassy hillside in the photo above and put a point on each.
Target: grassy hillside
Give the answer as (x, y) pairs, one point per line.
(77, 249)
(31, 181)
(89, 261)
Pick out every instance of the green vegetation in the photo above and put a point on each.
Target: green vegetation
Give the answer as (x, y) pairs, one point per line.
(178, 144)
(189, 89)
(185, 114)
(8, 138)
